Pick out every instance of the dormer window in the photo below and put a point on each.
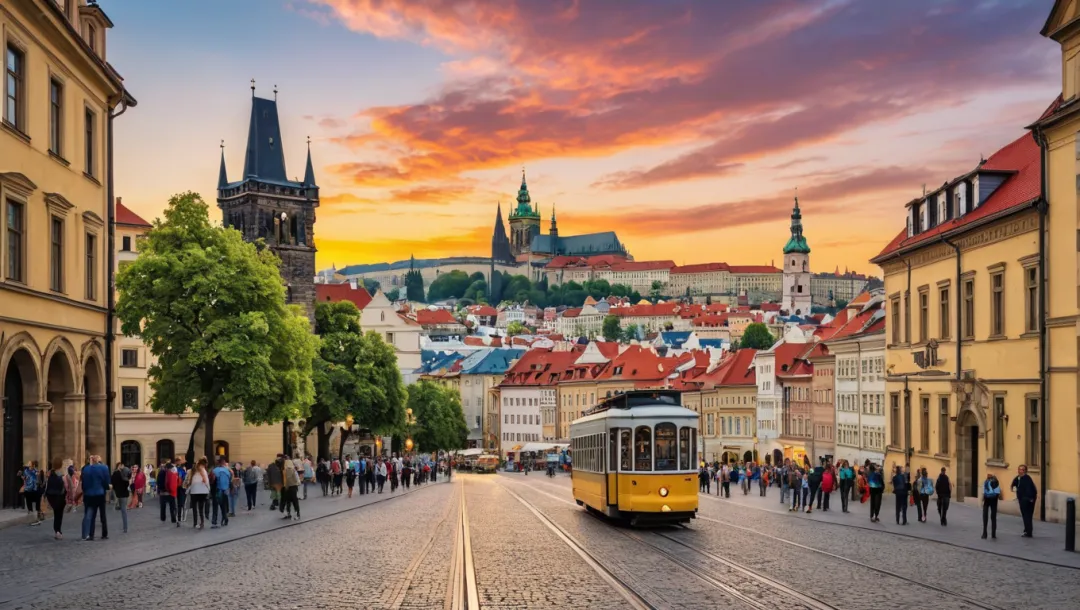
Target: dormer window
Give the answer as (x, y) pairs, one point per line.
(91, 37)
(961, 199)
(975, 198)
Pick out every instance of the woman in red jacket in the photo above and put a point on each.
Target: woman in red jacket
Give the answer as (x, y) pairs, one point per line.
(138, 486)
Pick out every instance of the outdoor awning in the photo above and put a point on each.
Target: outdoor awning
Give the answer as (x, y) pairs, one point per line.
(469, 452)
(540, 446)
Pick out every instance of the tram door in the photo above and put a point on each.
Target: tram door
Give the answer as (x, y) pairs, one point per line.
(612, 469)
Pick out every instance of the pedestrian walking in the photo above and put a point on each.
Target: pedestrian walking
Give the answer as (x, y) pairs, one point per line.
(275, 479)
(72, 488)
(795, 482)
(380, 474)
(785, 476)
(828, 481)
(370, 474)
(32, 487)
(335, 472)
(138, 486)
(309, 474)
(290, 497)
(943, 487)
(875, 482)
(763, 479)
(1026, 494)
(847, 481)
(95, 482)
(350, 477)
(168, 482)
(901, 483)
(991, 493)
(56, 495)
(221, 476)
(322, 476)
(252, 475)
(181, 491)
(703, 479)
(198, 488)
(121, 486)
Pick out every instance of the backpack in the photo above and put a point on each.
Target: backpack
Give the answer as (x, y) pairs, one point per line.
(827, 482)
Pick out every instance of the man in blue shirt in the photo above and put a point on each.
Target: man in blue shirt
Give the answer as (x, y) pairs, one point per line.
(95, 483)
(222, 476)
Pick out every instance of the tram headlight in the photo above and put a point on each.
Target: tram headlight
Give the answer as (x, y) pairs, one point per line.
(665, 508)
(663, 492)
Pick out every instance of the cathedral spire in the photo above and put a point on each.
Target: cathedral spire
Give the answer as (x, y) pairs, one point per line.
(309, 173)
(223, 179)
(264, 157)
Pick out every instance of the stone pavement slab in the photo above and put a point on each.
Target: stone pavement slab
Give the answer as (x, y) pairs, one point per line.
(37, 561)
(964, 529)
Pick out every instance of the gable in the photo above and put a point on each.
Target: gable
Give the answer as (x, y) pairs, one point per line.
(1063, 15)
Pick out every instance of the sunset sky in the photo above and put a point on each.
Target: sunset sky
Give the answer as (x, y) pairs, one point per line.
(685, 126)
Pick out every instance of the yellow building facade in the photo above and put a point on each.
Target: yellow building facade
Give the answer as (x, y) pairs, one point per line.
(1057, 132)
(59, 96)
(965, 322)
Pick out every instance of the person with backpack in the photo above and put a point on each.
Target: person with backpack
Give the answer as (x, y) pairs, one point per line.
(924, 488)
(275, 480)
(252, 474)
(991, 494)
(901, 483)
(167, 482)
(943, 487)
(828, 482)
(32, 492)
(322, 475)
(875, 483)
(56, 495)
(783, 475)
(121, 484)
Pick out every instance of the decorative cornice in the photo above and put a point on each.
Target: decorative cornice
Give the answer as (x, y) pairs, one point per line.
(58, 204)
(18, 183)
(1061, 322)
(934, 250)
(92, 219)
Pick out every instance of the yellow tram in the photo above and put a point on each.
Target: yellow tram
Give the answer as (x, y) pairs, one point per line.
(635, 458)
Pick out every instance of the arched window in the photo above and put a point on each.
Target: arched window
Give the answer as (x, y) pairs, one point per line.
(130, 453)
(643, 449)
(166, 450)
(221, 449)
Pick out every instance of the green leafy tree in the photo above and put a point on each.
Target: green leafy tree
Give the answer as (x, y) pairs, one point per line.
(372, 286)
(611, 329)
(477, 291)
(439, 419)
(635, 297)
(516, 328)
(450, 285)
(632, 332)
(656, 289)
(393, 295)
(757, 336)
(620, 290)
(356, 375)
(211, 308)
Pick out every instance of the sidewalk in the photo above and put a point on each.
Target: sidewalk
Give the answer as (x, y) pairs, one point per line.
(964, 529)
(36, 561)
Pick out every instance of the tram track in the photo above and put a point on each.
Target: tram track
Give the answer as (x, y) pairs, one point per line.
(796, 596)
(630, 593)
(422, 555)
(464, 594)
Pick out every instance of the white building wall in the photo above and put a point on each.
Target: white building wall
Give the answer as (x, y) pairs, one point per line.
(520, 420)
(860, 400)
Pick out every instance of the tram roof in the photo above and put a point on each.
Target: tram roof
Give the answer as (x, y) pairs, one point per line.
(637, 404)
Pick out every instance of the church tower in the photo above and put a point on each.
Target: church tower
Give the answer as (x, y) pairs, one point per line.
(796, 296)
(524, 221)
(265, 204)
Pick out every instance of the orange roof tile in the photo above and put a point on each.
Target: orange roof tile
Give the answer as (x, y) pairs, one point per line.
(342, 292)
(754, 269)
(700, 268)
(1021, 156)
(124, 216)
(435, 316)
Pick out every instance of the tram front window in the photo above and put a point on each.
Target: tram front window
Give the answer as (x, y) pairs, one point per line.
(643, 449)
(684, 449)
(666, 447)
(625, 446)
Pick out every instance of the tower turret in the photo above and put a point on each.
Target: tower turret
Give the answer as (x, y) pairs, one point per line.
(796, 296)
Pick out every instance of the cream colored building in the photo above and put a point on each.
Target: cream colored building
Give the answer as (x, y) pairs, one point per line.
(401, 332)
(59, 92)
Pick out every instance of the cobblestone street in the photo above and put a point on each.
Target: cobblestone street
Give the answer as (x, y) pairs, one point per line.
(530, 547)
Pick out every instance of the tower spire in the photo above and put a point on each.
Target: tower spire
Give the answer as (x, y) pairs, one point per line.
(223, 179)
(797, 243)
(309, 173)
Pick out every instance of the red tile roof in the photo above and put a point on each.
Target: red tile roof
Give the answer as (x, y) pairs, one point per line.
(639, 364)
(711, 321)
(700, 268)
(124, 216)
(637, 265)
(539, 367)
(1021, 156)
(737, 370)
(483, 310)
(573, 312)
(658, 310)
(608, 349)
(435, 316)
(754, 269)
(561, 262)
(770, 307)
(342, 292)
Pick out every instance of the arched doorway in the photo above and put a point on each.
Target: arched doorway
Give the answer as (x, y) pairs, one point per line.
(66, 417)
(777, 457)
(748, 456)
(94, 395)
(729, 457)
(967, 454)
(130, 453)
(20, 388)
(166, 450)
(221, 449)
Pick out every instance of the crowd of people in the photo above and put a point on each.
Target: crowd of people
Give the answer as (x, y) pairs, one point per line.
(203, 491)
(804, 487)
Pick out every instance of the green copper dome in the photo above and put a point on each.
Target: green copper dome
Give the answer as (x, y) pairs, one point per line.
(524, 207)
(797, 243)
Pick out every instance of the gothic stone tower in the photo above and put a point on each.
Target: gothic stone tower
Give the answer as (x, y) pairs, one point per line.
(796, 299)
(265, 204)
(524, 221)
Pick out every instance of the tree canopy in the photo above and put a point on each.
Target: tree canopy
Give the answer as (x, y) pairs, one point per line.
(450, 285)
(211, 308)
(516, 328)
(611, 329)
(440, 420)
(356, 375)
(414, 286)
(757, 336)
